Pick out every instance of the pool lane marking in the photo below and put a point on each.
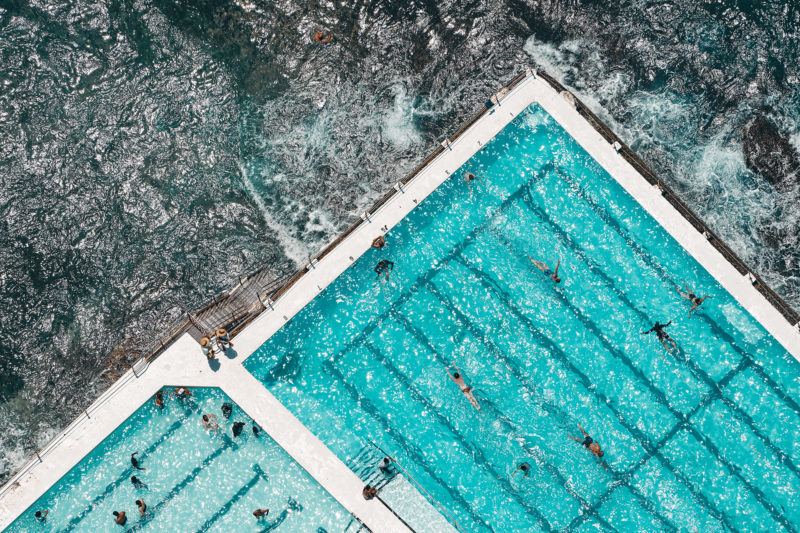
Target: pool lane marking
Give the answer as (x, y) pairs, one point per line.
(410, 448)
(662, 273)
(551, 469)
(480, 458)
(556, 351)
(591, 508)
(129, 470)
(690, 364)
(222, 511)
(228, 443)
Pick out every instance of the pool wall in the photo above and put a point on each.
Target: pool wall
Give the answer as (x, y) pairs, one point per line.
(182, 362)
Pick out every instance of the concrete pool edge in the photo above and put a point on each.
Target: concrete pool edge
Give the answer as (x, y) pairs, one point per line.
(181, 363)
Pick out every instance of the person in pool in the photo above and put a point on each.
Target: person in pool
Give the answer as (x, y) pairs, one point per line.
(237, 428)
(384, 267)
(467, 390)
(379, 242)
(553, 274)
(257, 429)
(210, 423)
(525, 468)
(120, 518)
(589, 444)
(227, 409)
(689, 295)
(260, 513)
(181, 392)
(160, 400)
(142, 507)
(41, 516)
(469, 176)
(138, 483)
(661, 334)
(135, 462)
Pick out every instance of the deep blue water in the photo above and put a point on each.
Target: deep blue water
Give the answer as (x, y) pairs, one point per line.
(152, 150)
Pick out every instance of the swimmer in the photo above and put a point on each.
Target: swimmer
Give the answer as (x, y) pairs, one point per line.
(237, 428)
(181, 392)
(383, 268)
(120, 519)
(138, 483)
(227, 409)
(224, 339)
(41, 516)
(369, 492)
(386, 466)
(257, 429)
(546, 269)
(320, 37)
(589, 444)
(205, 345)
(469, 176)
(142, 507)
(525, 468)
(689, 295)
(456, 376)
(160, 400)
(661, 334)
(260, 513)
(379, 242)
(210, 423)
(135, 462)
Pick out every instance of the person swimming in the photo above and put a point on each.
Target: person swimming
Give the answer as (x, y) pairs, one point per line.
(135, 462)
(210, 423)
(386, 466)
(142, 506)
(237, 428)
(383, 268)
(661, 334)
(120, 518)
(589, 443)
(321, 38)
(160, 400)
(525, 468)
(138, 483)
(379, 242)
(467, 390)
(260, 513)
(257, 429)
(181, 392)
(689, 295)
(469, 176)
(546, 269)
(227, 409)
(41, 516)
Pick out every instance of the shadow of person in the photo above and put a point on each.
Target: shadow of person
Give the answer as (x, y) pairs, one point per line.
(230, 353)
(213, 364)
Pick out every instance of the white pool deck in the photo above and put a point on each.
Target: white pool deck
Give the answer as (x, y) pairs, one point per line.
(183, 364)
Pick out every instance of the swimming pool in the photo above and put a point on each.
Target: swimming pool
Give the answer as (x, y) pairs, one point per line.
(195, 480)
(695, 438)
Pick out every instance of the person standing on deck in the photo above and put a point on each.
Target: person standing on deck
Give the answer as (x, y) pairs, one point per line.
(661, 334)
(590, 445)
(224, 339)
(689, 295)
(205, 345)
(546, 269)
(467, 390)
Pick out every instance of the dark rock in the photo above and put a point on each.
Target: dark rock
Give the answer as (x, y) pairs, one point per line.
(768, 152)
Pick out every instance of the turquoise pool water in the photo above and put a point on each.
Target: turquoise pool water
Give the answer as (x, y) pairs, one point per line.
(700, 438)
(196, 480)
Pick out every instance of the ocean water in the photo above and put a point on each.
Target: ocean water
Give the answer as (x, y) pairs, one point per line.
(152, 150)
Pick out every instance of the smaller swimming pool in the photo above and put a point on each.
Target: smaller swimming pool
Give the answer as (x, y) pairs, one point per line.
(195, 480)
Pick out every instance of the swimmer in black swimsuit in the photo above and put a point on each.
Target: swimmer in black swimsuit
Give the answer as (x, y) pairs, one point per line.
(135, 462)
(661, 334)
(384, 267)
(589, 444)
(469, 176)
(546, 269)
(525, 468)
(689, 295)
